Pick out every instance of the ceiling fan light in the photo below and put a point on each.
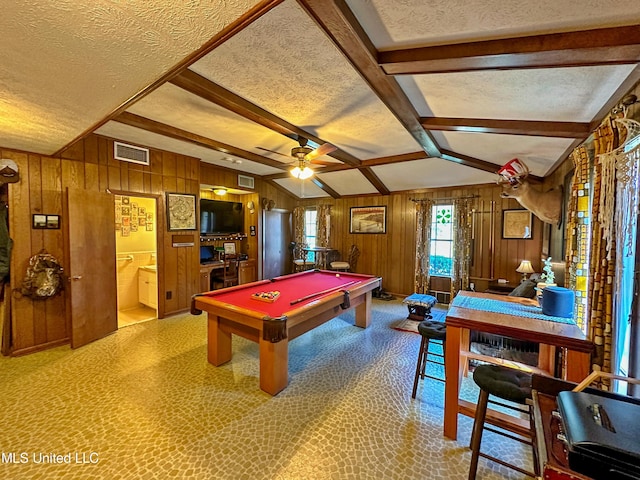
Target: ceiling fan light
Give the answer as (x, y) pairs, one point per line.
(220, 191)
(306, 173)
(302, 173)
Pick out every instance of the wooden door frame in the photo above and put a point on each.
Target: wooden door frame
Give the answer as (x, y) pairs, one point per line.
(159, 250)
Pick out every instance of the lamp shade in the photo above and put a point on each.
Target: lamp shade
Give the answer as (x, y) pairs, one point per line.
(525, 267)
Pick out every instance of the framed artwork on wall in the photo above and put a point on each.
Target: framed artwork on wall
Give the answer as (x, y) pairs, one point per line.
(181, 211)
(368, 220)
(517, 224)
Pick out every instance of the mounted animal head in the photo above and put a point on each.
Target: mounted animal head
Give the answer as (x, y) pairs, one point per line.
(547, 206)
(8, 171)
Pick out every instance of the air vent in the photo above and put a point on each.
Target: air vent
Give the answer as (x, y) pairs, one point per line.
(129, 153)
(246, 182)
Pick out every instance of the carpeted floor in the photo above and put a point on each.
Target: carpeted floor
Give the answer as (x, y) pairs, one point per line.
(144, 403)
(438, 313)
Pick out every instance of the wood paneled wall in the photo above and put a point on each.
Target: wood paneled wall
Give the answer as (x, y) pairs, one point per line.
(392, 255)
(90, 165)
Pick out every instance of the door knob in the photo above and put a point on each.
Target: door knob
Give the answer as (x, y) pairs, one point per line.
(75, 277)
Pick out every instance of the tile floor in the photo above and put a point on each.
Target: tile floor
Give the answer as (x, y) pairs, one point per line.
(144, 403)
(136, 315)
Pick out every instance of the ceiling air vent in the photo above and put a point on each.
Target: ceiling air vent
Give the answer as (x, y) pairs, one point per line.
(129, 153)
(246, 182)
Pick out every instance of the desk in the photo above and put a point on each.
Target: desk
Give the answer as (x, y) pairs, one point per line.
(271, 325)
(246, 272)
(549, 334)
(319, 255)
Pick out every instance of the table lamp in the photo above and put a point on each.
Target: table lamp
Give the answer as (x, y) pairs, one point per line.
(524, 268)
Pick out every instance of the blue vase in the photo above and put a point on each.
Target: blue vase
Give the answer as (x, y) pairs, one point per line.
(558, 302)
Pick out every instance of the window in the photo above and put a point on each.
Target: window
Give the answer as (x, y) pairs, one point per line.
(310, 229)
(441, 242)
(623, 302)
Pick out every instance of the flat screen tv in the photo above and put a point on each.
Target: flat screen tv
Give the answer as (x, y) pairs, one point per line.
(218, 217)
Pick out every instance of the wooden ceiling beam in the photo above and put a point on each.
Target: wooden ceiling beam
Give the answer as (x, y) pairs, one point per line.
(603, 46)
(319, 183)
(143, 123)
(508, 127)
(342, 28)
(477, 163)
(375, 181)
(212, 92)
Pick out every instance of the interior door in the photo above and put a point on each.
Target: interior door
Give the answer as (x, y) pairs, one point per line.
(276, 233)
(92, 265)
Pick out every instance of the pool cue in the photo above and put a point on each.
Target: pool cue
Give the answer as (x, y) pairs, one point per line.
(328, 290)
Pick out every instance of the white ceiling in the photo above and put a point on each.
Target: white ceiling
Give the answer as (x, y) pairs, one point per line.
(261, 73)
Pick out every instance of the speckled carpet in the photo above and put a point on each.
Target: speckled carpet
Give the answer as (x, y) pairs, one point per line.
(144, 403)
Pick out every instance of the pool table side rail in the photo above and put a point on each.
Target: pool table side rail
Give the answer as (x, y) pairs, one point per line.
(291, 323)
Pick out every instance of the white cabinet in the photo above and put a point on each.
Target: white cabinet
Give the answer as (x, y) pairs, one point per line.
(147, 288)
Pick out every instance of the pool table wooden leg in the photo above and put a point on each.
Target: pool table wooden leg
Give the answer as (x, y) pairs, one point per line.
(363, 312)
(219, 342)
(274, 366)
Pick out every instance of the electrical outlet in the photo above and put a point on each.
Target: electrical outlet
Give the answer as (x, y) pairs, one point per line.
(169, 295)
(472, 286)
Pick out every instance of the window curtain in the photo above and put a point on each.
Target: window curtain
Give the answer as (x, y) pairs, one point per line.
(298, 231)
(461, 245)
(423, 235)
(602, 260)
(323, 225)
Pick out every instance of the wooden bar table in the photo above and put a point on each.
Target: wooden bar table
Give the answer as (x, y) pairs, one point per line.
(471, 311)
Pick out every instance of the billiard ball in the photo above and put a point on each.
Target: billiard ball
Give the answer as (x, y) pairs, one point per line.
(337, 275)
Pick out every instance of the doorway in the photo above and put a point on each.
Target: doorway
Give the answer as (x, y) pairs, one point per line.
(136, 259)
(276, 233)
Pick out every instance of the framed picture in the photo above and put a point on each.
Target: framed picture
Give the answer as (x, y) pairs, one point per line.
(517, 224)
(229, 248)
(181, 211)
(368, 220)
(45, 221)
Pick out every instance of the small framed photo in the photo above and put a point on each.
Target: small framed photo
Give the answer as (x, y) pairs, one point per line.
(181, 211)
(368, 220)
(53, 221)
(517, 224)
(229, 248)
(39, 221)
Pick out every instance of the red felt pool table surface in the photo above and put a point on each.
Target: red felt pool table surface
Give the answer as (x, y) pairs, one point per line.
(291, 288)
(272, 325)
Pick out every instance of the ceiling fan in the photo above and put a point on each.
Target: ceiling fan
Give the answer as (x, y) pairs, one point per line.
(305, 155)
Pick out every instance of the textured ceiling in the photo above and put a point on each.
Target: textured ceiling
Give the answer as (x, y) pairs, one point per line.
(236, 83)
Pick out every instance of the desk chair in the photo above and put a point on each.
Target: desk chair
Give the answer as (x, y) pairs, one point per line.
(229, 275)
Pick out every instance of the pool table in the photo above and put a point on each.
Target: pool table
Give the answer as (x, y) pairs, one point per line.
(306, 300)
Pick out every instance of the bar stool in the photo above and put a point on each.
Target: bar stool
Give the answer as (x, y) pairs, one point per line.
(430, 330)
(505, 383)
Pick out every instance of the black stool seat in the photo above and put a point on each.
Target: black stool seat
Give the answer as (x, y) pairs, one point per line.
(429, 330)
(432, 329)
(505, 383)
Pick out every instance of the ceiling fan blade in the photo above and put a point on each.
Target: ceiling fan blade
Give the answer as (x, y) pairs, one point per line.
(272, 151)
(323, 149)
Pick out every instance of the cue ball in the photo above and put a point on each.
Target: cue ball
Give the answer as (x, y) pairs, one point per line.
(337, 274)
